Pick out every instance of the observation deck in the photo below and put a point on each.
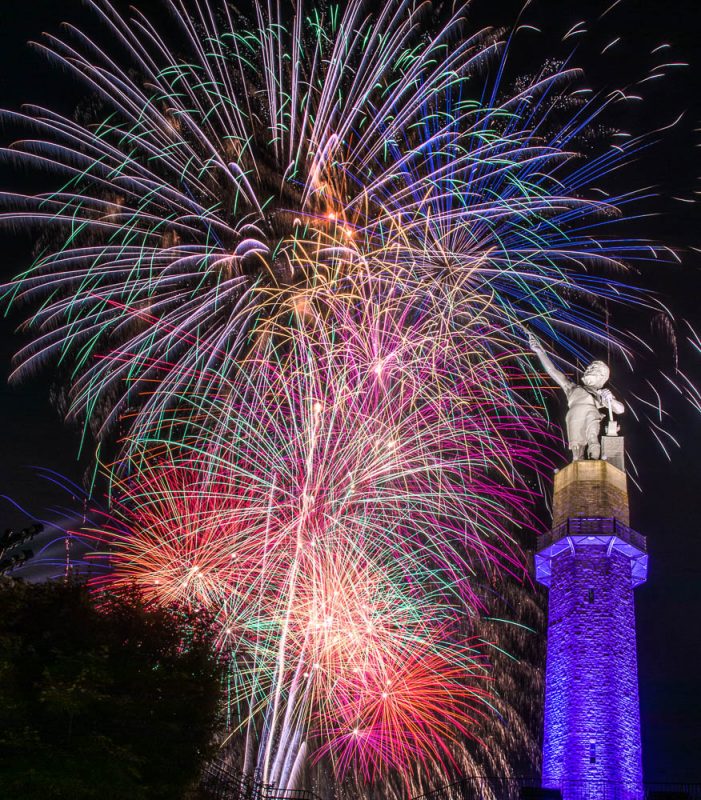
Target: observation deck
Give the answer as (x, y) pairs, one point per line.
(578, 532)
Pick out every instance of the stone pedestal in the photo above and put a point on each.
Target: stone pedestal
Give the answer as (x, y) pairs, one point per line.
(590, 489)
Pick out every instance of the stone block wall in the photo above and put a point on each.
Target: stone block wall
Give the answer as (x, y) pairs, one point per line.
(590, 489)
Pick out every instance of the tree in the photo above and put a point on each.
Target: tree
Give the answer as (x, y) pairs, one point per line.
(102, 698)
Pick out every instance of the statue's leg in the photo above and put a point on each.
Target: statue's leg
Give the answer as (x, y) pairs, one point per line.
(577, 452)
(593, 428)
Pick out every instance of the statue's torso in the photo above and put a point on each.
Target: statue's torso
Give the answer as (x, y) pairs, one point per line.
(583, 417)
(579, 395)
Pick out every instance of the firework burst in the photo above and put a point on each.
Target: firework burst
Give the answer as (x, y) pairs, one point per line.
(231, 189)
(334, 505)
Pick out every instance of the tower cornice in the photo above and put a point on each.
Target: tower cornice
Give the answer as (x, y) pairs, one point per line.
(603, 532)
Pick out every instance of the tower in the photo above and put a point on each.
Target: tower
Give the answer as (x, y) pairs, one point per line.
(591, 561)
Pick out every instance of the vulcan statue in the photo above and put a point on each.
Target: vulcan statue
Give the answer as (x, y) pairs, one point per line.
(585, 402)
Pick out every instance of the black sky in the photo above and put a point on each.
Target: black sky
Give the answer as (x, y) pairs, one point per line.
(667, 510)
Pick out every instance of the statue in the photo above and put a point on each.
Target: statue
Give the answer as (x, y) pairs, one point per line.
(585, 402)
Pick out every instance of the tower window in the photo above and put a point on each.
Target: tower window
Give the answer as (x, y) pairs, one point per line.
(592, 752)
(591, 595)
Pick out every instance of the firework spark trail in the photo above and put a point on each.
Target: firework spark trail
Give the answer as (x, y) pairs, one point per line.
(291, 157)
(391, 680)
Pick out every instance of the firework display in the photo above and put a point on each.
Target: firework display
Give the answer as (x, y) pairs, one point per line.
(335, 516)
(288, 278)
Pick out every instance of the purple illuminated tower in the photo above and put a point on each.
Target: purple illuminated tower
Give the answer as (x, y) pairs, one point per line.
(592, 561)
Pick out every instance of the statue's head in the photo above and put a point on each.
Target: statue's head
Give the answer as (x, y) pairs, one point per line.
(596, 375)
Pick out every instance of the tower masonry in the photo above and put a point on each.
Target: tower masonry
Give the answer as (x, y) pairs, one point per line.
(591, 561)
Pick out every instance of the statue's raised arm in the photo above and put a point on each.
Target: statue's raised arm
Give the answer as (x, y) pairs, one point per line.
(585, 401)
(559, 377)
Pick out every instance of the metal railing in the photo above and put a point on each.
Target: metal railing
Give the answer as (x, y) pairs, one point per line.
(593, 526)
(480, 788)
(494, 788)
(609, 790)
(219, 782)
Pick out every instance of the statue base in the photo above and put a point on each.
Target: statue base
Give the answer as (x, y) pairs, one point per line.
(613, 451)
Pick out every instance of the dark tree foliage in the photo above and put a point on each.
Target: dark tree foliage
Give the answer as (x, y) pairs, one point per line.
(103, 699)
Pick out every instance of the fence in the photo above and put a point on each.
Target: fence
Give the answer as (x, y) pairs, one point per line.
(219, 782)
(494, 788)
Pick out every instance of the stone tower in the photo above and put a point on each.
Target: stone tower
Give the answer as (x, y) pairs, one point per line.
(591, 561)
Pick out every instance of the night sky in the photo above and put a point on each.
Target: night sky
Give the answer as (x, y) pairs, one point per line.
(668, 507)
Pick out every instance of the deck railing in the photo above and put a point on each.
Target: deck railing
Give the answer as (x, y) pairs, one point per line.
(593, 526)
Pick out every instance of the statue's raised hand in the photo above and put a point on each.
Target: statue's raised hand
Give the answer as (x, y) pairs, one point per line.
(534, 344)
(606, 397)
